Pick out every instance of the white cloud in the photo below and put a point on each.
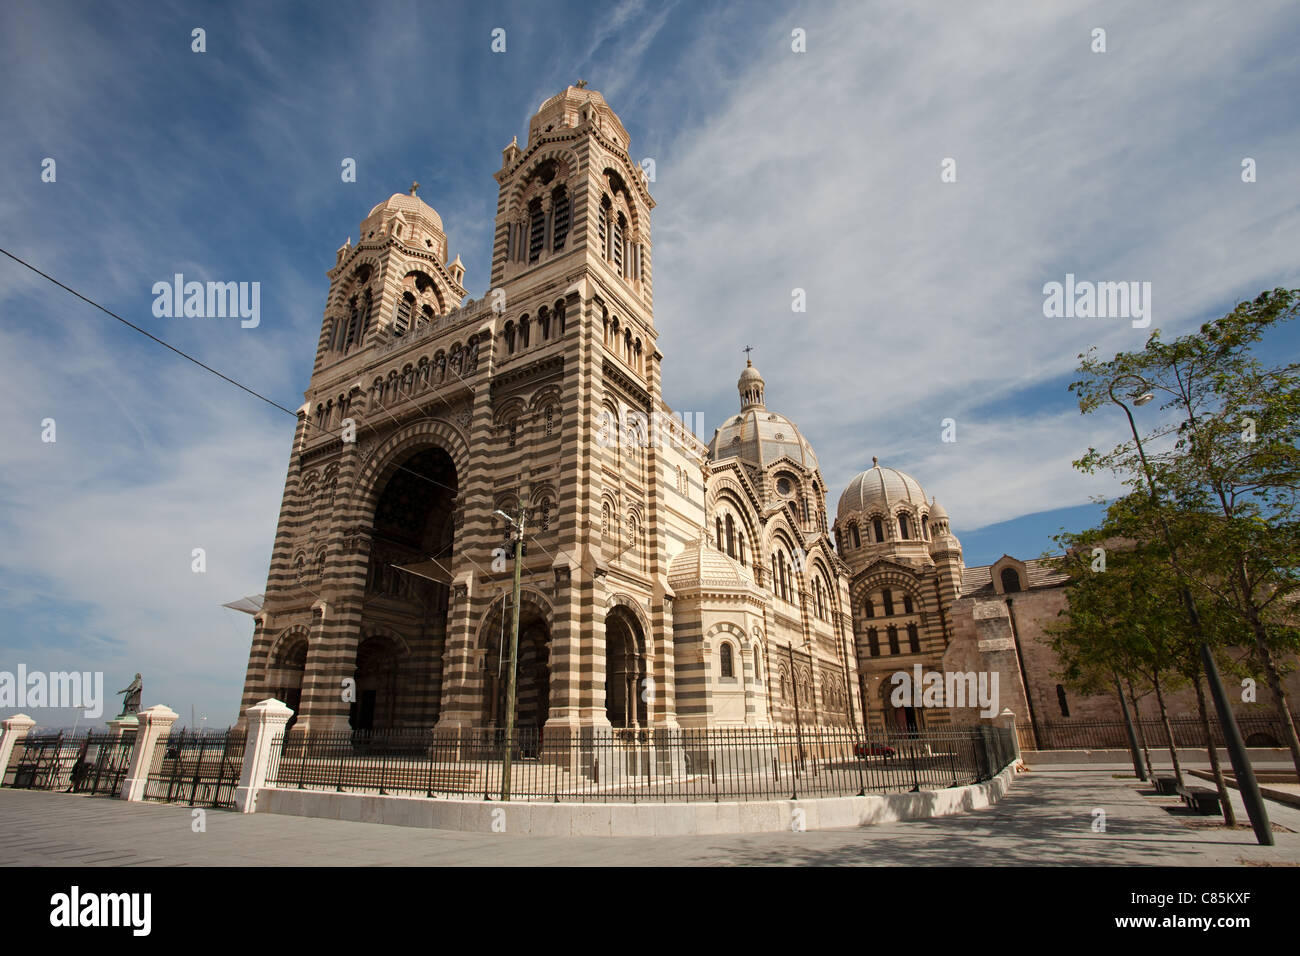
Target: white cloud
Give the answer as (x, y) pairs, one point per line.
(821, 171)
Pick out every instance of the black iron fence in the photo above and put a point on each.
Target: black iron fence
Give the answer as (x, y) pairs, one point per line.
(640, 766)
(1258, 730)
(102, 763)
(197, 768)
(45, 761)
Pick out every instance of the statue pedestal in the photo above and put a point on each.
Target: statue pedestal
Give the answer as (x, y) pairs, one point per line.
(123, 724)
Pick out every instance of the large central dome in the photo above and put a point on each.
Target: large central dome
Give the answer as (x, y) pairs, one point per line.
(756, 435)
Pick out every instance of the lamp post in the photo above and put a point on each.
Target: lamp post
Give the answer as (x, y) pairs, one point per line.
(794, 684)
(1241, 767)
(518, 526)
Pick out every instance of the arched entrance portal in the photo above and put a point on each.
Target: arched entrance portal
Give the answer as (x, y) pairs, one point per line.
(625, 669)
(377, 676)
(533, 677)
(414, 527)
(898, 719)
(286, 674)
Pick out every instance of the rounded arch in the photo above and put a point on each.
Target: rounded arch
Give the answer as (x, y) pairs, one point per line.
(384, 462)
(623, 599)
(528, 181)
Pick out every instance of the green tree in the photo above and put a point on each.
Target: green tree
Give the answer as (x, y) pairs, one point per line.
(1226, 458)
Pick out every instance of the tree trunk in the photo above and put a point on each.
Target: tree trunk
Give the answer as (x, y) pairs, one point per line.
(1142, 733)
(1169, 731)
(1229, 816)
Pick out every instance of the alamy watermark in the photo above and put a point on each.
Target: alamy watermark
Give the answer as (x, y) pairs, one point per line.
(215, 300)
(946, 689)
(634, 428)
(1098, 300)
(24, 690)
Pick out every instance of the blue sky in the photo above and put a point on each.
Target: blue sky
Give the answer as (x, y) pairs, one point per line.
(774, 171)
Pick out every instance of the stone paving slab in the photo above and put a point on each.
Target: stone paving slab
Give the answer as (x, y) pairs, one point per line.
(1046, 819)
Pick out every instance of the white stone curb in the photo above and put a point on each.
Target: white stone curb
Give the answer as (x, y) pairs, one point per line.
(627, 819)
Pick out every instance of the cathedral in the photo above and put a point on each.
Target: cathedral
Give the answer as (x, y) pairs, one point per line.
(666, 583)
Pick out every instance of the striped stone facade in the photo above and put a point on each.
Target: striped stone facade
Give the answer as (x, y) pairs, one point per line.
(427, 414)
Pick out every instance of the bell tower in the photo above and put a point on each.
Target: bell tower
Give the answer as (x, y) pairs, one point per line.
(574, 190)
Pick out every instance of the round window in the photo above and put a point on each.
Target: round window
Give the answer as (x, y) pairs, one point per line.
(783, 487)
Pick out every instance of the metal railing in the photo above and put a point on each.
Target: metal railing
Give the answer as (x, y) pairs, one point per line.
(1257, 730)
(197, 768)
(102, 764)
(44, 761)
(640, 766)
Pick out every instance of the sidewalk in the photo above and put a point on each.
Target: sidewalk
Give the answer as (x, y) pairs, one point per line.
(1045, 820)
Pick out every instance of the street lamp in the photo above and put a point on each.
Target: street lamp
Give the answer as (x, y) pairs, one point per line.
(1241, 767)
(518, 527)
(794, 684)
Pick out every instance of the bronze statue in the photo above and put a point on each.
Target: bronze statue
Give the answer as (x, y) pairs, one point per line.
(131, 702)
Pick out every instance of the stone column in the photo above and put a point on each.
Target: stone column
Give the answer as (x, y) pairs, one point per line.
(14, 732)
(155, 723)
(266, 723)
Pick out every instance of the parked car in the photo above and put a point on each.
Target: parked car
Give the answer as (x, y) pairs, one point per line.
(873, 750)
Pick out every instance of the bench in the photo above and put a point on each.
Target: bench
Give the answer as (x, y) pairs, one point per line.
(1201, 800)
(1165, 786)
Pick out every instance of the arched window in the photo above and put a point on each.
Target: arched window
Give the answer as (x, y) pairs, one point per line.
(1010, 580)
(550, 420)
(560, 214)
(523, 332)
(741, 547)
(857, 540)
(869, 607)
(513, 431)
(559, 318)
(510, 338)
(402, 320)
(907, 604)
(602, 227)
(721, 539)
(873, 641)
(354, 325)
(536, 230)
(426, 317)
(893, 639)
(724, 656)
(546, 514)
(616, 243)
(925, 527)
(913, 639)
(1060, 699)
(731, 537)
(879, 528)
(888, 596)
(903, 530)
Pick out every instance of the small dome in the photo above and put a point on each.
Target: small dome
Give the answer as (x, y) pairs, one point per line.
(404, 202)
(937, 511)
(702, 566)
(880, 489)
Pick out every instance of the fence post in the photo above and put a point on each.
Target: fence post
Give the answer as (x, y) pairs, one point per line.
(155, 723)
(14, 731)
(266, 722)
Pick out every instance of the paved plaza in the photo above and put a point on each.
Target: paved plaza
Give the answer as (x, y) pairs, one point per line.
(1047, 819)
